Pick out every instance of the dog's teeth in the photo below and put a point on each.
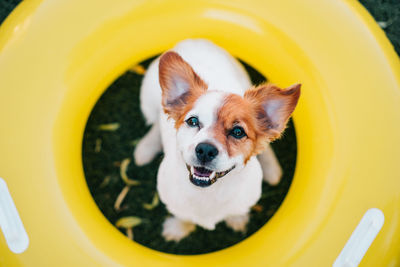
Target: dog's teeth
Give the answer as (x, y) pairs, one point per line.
(192, 170)
(201, 178)
(212, 175)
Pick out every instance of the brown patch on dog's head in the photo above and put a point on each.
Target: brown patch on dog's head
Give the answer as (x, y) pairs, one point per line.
(236, 111)
(180, 85)
(262, 113)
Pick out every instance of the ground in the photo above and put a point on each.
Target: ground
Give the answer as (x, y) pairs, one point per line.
(116, 124)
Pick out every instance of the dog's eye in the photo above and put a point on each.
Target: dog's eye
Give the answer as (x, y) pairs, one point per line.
(238, 132)
(193, 122)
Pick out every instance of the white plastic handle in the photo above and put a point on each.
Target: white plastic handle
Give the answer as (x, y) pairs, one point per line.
(10, 223)
(361, 239)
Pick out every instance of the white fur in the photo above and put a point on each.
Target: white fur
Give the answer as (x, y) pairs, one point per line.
(272, 171)
(205, 109)
(238, 223)
(213, 64)
(230, 196)
(175, 229)
(149, 146)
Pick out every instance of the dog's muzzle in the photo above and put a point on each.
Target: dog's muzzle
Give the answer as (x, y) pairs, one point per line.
(203, 177)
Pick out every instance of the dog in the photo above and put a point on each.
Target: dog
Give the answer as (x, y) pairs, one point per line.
(211, 124)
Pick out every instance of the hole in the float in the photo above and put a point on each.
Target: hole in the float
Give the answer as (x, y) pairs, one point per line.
(113, 129)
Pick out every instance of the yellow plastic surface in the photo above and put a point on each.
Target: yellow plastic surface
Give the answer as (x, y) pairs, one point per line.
(57, 57)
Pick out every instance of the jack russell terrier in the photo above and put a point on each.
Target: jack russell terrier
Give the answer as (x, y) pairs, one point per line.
(215, 130)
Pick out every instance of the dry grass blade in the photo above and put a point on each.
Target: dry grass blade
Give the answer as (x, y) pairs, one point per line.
(153, 204)
(109, 127)
(134, 142)
(128, 222)
(97, 147)
(121, 197)
(106, 181)
(124, 176)
(129, 233)
(138, 69)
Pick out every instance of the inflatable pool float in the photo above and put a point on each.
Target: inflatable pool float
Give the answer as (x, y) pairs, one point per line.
(57, 57)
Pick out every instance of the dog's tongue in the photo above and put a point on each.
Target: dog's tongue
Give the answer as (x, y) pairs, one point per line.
(202, 172)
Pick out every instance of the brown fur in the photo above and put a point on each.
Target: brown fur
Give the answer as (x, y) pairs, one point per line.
(171, 67)
(262, 96)
(236, 111)
(249, 113)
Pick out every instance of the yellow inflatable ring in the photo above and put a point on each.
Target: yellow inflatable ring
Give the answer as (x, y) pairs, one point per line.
(57, 57)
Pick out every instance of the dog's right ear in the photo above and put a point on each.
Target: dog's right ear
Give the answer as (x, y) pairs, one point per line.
(179, 83)
(273, 107)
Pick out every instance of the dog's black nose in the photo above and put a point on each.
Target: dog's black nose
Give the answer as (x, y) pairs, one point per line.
(206, 152)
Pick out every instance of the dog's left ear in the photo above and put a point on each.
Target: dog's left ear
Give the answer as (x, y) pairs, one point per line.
(179, 84)
(273, 107)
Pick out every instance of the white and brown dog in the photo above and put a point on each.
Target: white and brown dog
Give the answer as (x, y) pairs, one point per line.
(211, 126)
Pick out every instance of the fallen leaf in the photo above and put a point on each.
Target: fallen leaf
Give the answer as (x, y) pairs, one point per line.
(257, 208)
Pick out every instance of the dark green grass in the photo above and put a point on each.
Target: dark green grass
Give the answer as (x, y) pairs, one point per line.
(120, 104)
(6, 6)
(387, 13)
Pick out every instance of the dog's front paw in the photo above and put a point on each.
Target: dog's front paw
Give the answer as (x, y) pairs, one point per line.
(272, 171)
(175, 229)
(238, 223)
(148, 146)
(272, 174)
(144, 153)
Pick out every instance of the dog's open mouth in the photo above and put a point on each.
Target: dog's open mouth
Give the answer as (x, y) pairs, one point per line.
(204, 177)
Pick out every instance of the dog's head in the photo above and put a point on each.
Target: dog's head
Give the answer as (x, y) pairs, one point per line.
(218, 131)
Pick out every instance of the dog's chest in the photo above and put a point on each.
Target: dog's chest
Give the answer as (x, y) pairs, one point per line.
(232, 195)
